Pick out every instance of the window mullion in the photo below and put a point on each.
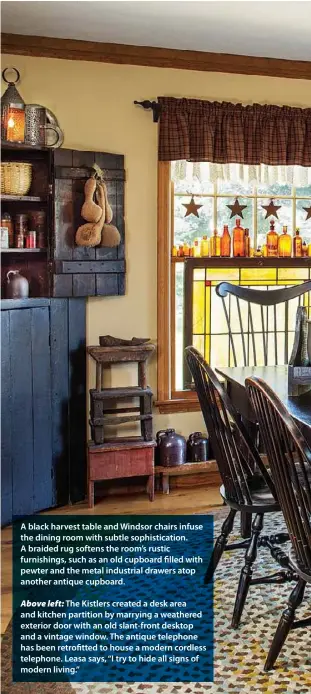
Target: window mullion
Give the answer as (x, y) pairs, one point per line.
(215, 206)
(294, 210)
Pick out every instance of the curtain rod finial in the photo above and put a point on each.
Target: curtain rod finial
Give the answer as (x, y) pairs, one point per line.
(151, 105)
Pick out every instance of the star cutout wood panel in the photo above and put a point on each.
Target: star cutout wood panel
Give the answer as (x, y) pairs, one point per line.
(191, 207)
(308, 211)
(236, 209)
(271, 209)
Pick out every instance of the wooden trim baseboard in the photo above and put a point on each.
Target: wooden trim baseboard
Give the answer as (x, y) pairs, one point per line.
(69, 49)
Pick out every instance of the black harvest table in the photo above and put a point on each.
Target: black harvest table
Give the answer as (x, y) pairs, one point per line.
(276, 376)
(299, 406)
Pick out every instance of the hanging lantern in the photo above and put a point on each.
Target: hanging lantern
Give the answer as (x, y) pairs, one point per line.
(12, 111)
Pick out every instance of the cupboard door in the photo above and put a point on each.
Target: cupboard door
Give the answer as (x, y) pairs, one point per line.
(27, 483)
(43, 404)
(81, 271)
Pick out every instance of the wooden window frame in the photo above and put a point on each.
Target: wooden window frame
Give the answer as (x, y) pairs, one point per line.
(168, 401)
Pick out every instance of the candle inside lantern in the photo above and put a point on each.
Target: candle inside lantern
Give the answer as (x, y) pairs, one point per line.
(15, 131)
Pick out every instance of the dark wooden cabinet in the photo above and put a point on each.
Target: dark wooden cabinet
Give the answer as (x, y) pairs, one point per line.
(63, 269)
(43, 404)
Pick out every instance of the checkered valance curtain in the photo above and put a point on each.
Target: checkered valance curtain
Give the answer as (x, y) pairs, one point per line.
(226, 133)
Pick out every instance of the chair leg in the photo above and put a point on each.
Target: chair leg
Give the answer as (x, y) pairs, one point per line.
(220, 545)
(247, 571)
(285, 623)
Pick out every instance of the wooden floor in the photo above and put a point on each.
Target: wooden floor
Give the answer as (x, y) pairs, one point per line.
(188, 501)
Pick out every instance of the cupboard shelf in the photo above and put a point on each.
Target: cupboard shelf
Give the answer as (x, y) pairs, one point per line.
(22, 146)
(23, 198)
(23, 250)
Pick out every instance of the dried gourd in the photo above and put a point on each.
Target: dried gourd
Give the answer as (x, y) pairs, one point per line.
(90, 234)
(109, 213)
(90, 211)
(110, 236)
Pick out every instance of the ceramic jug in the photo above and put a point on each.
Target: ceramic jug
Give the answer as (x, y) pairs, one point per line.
(17, 286)
(171, 447)
(197, 448)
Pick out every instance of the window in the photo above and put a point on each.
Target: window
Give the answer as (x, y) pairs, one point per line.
(191, 305)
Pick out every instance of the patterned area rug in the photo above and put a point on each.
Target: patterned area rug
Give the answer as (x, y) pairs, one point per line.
(239, 655)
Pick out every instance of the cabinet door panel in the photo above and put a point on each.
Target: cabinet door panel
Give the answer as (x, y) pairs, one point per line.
(42, 412)
(6, 418)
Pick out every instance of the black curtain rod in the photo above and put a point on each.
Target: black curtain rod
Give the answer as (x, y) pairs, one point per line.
(151, 106)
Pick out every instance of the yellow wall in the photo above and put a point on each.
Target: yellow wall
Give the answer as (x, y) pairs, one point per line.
(94, 105)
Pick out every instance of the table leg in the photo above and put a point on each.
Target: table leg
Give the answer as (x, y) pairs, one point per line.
(91, 494)
(150, 487)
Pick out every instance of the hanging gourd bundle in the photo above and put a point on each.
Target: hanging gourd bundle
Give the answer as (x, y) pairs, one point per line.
(98, 231)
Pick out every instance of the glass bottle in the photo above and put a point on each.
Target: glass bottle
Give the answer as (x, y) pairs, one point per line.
(272, 241)
(174, 252)
(186, 250)
(180, 252)
(204, 247)
(225, 243)
(304, 250)
(309, 250)
(238, 240)
(264, 250)
(247, 243)
(284, 244)
(7, 224)
(297, 245)
(196, 249)
(215, 245)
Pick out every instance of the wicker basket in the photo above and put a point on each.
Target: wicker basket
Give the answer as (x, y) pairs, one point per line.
(15, 178)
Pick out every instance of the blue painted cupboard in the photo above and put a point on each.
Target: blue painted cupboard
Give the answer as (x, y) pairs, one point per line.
(43, 404)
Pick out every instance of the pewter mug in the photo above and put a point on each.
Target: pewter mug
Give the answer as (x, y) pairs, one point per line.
(39, 124)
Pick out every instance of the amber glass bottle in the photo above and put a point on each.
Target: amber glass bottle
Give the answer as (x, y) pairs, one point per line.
(272, 241)
(174, 251)
(238, 240)
(204, 247)
(304, 250)
(180, 252)
(297, 245)
(284, 244)
(247, 243)
(196, 249)
(215, 244)
(225, 243)
(186, 250)
(264, 251)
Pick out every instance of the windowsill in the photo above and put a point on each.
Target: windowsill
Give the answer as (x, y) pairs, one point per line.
(178, 405)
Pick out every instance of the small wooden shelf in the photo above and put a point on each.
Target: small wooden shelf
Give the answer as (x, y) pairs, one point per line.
(22, 145)
(23, 250)
(243, 262)
(23, 198)
(185, 469)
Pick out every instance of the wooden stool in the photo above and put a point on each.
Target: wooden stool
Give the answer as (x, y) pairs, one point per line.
(119, 459)
(102, 398)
